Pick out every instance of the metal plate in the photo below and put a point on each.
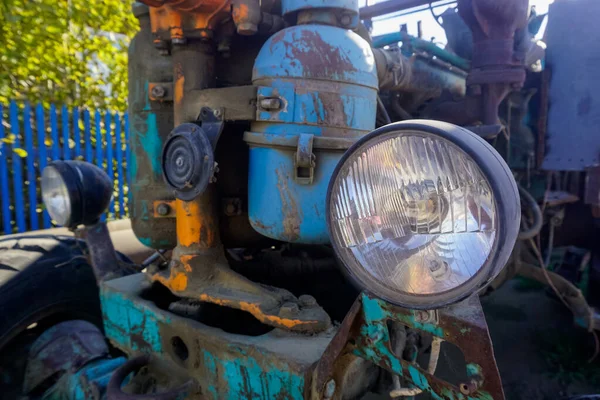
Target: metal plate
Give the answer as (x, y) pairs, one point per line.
(573, 57)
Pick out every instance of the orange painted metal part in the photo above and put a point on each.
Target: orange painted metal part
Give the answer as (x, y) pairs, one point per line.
(194, 225)
(209, 281)
(176, 19)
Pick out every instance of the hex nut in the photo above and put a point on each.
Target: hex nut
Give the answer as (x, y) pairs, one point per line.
(158, 91)
(307, 301)
(163, 209)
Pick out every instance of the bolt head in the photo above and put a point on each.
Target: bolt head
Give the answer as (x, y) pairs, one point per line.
(179, 41)
(217, 113)
(346, 19)
(163, 209)
(307, 301)
(158, 91)
(289, 309)
(270, 104)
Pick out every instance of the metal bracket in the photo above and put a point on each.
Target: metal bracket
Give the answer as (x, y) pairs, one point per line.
(304, 160)
(212, 124)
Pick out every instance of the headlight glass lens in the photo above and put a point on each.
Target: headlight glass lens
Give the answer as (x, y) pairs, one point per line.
(56, 196)
(412, 215)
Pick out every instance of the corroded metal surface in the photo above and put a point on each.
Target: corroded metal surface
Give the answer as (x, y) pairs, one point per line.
(462, 324)
(209, 280)
(223, 365)
(365, 333)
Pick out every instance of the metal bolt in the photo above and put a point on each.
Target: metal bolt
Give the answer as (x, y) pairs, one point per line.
(163, 209)
(158, 91)
(270, 103)
(346, 19)
(230, 209)
(217, 113)
(307, 301)
(289, 309)
(179, 161)
(178, 41)
(329, 389)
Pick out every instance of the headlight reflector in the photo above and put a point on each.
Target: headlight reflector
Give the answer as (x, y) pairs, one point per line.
(423, 213)
(56, 195)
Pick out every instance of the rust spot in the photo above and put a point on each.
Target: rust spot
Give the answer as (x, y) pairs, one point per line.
(255, 310)
(289, 207)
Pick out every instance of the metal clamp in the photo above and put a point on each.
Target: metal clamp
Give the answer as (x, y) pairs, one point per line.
(304, 160)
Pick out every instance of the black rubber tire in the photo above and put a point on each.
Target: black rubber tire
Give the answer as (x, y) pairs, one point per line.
(41, 277)
(43, 280)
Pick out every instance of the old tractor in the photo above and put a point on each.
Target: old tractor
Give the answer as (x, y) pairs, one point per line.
(324, 207)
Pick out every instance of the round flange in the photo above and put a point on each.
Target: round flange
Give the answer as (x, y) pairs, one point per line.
(188, 161)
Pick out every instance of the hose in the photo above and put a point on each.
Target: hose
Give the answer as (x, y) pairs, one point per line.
(538, 219)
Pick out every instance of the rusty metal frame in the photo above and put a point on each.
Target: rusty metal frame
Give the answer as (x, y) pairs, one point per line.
(364, 333)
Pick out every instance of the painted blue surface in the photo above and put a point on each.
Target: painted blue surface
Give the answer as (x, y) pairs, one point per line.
(42, 153)
(31, 179)
(233, 370)
(17, 168)
(66, 133)
(124, 319)
(87, 383)
(276, 198)
(4, 187)
(109, 155)
(327, 79)
(289, 6)
(76, 132)
(54, 133)
(87, 136)
(317, 52)
(119, 158)
(24, 153)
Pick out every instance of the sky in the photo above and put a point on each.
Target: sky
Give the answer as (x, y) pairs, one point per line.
(430, 27)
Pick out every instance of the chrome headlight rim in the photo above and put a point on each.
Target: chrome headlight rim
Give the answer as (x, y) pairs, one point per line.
(506, 200)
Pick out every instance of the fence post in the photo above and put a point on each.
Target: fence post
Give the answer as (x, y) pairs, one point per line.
(17, 168)
(4, 187)
(31, 177)
(43, 155)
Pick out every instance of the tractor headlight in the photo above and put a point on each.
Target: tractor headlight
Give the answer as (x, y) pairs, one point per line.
(75, 192)
(423, 213)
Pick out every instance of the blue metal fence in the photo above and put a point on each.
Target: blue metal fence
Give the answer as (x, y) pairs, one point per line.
(31, 137)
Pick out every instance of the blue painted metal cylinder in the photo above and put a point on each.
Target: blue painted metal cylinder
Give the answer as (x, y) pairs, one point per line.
(289, 6)
(317, 93)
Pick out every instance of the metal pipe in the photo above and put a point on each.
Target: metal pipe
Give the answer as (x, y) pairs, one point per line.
(424, 45)
(390, 6)
(415, 74)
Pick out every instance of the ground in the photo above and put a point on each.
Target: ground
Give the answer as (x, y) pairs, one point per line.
(541, 354)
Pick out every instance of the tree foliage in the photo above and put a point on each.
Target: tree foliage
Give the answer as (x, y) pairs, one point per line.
(70, 52)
